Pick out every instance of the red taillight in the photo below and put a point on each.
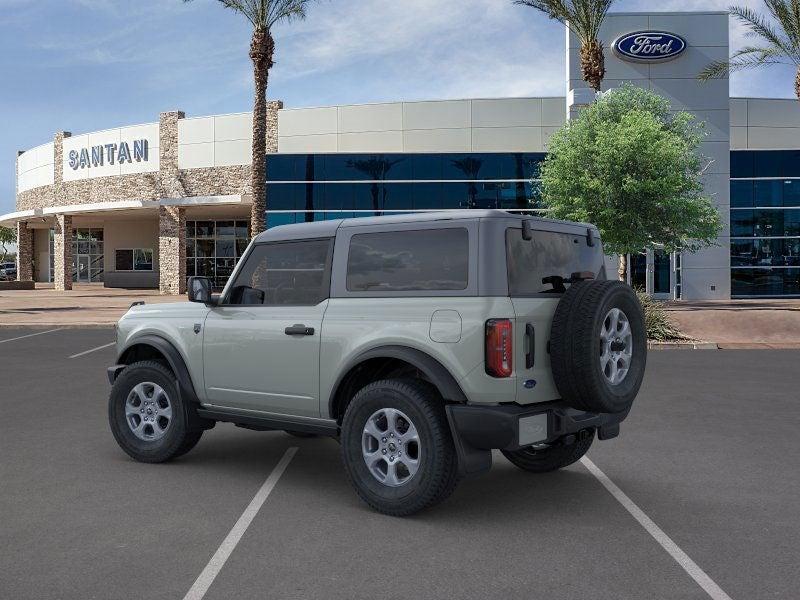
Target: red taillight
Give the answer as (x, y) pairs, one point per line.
(499, 348)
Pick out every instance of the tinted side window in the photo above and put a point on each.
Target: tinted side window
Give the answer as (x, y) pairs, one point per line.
(547, 254)
(399, 261)
(291, 273)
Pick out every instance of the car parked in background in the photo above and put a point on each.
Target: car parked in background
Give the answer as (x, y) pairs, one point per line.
(8, 271)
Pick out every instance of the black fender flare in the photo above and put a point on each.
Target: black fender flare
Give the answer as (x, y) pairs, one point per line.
(436, 373)
(174, 358)
(178, 366)
(471, 461)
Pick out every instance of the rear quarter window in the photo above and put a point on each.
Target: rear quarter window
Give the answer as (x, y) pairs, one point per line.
(402, 261)
(548, 253)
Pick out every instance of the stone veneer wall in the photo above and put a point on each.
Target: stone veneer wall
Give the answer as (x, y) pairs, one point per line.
(172, 249)
(62, 251)
(24, 252)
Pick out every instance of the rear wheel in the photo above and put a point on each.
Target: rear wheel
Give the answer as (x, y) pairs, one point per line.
(553, 457)
(147, 415)
(397, 448)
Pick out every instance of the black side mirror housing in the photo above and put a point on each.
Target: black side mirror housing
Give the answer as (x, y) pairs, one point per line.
(198, 289)
(246, 295)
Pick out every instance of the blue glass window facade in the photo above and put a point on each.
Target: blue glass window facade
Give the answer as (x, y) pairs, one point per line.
(765, 223)
(313, 187)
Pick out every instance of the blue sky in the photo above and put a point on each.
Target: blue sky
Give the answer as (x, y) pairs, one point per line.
(84, 65)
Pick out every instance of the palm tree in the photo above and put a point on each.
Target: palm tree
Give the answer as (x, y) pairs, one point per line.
(584, 19)
(780, 42)
(262, 15)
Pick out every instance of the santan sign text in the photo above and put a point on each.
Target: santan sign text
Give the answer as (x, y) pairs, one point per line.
(97, 156)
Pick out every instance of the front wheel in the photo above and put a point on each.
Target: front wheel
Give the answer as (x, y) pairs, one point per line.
(147, 415)
(396, 446)
(553, 457)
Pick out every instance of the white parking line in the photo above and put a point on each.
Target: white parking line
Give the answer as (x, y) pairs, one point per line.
(85, 352)
(22, 337)
(206, 578)
(688, 565)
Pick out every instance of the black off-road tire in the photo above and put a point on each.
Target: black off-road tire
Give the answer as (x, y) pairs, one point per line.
(178, 438)
(550, 459)
(437, 474)
(575, 346)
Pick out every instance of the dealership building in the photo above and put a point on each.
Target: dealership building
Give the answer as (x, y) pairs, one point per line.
(145, 206)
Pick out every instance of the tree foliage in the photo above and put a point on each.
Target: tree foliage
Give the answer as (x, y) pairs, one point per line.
(631, 167)
(262, 15)
(8, 236)
(777, 35)
(584, 19)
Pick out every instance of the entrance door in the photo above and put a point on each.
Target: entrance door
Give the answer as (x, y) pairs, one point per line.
(662, 274)
(83, 269)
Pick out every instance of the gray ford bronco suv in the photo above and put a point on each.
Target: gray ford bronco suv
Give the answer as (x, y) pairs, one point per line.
(420, 342)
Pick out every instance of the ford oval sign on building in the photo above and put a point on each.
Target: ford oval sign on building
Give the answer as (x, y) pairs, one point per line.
(649, 46)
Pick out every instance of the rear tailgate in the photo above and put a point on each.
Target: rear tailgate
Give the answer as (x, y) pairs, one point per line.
(556, 250)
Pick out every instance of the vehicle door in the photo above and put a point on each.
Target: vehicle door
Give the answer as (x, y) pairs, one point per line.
(261, 344)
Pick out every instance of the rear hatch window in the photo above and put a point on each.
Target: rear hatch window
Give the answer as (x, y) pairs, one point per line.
(549, 254)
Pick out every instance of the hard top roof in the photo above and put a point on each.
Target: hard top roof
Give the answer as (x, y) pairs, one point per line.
(322, 229)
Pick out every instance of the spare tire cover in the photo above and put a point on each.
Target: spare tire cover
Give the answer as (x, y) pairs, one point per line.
(598, 346)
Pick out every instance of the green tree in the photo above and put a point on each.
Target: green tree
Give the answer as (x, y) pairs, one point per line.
(8, 236)
(263, 15)
(631, 167)
(778, 37)
(584, 19)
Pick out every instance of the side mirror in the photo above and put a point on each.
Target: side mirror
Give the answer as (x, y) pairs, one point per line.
(199, 289)
(243, 294)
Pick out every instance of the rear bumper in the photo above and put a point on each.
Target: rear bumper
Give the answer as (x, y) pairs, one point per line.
(479, 429)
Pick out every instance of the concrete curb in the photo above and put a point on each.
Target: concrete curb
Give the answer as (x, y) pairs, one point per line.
(683, 345)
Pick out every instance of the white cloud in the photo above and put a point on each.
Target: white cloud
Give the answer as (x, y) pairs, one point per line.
(421, 48)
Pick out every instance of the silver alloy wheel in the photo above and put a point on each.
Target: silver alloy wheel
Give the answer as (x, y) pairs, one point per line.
(616, 346)
(148, 411)
(390, 446)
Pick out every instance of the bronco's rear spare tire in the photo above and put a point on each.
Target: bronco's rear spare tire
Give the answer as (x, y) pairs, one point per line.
(598, 346)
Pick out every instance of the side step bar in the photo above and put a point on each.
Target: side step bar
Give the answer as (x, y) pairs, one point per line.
(269, 421)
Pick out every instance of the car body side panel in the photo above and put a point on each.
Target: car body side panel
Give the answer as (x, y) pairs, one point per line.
(354, 326)
(174, 322)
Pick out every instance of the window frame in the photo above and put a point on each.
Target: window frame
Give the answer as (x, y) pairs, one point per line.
(341, 256)
(326, 281)
(133, 261)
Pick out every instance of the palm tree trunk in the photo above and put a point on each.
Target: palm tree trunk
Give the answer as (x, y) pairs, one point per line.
(622, 270)
(593, 64)
(262, 48)
(797, 84)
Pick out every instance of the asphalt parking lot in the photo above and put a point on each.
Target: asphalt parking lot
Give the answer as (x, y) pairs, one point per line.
(709, 454)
